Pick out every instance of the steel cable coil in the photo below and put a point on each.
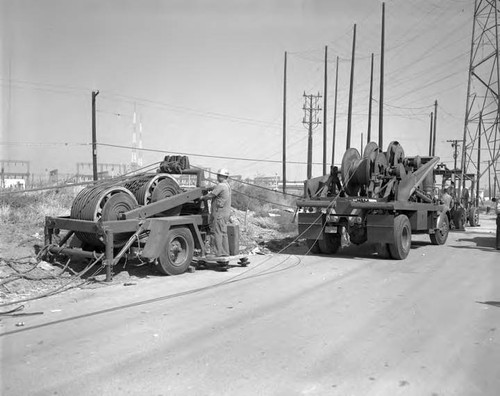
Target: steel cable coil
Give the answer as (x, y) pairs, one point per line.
(102, 202)
(152, 188)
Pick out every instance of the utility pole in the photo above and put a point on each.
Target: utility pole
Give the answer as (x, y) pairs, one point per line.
(435, 124)
(381, 100)
(335, 111)
(369, 136)
(94, 136)
(324, 110)
(430, 134)
(311, 109)
(284, 126)
(455, 145)
(351, 88)
(361, 143)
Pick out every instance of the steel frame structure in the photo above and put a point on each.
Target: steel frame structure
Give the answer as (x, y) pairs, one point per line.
(482, 114)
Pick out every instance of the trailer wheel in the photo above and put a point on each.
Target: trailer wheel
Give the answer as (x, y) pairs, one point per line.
(178, 252)
(313, 246)
(473, 217)
(402, 238)
(441, 234)
(330, 243)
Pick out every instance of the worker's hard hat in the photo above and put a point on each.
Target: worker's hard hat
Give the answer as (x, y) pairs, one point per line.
(223, 172)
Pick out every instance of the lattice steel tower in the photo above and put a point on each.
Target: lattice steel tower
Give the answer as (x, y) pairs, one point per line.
(481, 130)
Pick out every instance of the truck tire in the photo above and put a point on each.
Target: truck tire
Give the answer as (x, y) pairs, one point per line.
(473, 217)
(330, 243)
(402, 238)
(313, 246)
(441, 234)
(177, 254)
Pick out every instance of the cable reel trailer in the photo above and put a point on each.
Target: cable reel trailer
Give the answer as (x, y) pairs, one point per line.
(164, 222)
(384, 198)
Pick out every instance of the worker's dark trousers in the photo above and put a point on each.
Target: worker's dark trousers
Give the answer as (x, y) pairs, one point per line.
(220, 243)
(498, 232)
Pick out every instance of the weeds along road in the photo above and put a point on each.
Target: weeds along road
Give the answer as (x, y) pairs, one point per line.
(347, 325)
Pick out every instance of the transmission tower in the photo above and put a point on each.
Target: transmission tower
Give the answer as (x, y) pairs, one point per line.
(311, 121)
(481, 130)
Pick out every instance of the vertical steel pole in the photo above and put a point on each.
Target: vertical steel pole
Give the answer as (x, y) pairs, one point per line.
(284, 126)
(109, 253)
(324, 110)
(489, 179)
(351, 88)
(381, 101)
(479, 156)
(369, 135)
(467, 103)
(94, 136)
(335, 111)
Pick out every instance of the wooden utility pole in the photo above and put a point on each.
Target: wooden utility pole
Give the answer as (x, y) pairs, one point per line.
(324, 110)
(94, 136)
(435, 125)
(311, 109)
(284, 126)
(430, 134)
(335, 111)
(454, 144)
(369, 136)
(381, 100)
(351, 88)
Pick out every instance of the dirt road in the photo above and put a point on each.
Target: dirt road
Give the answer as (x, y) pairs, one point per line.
(287, 325)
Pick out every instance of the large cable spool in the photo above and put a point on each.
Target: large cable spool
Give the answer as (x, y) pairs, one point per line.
(104, 203)
(355, 171)
(395, 153)
(152, 188)
(167, 187)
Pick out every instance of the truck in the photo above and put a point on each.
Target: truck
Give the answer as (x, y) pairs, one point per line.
(378, 197)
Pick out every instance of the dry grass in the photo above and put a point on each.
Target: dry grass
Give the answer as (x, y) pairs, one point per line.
(29, 210)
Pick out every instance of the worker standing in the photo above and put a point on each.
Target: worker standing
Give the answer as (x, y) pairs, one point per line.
(220, 212)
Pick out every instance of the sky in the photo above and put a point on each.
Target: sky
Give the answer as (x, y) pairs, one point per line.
(205, 78)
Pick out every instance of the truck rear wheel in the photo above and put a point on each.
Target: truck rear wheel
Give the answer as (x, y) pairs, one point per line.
(441, 234)
(402, 238)
(330, 243)
(177, 253)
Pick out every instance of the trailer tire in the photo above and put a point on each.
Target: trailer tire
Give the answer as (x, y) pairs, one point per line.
(177, 254)
(330, 243)
(441, 234)
(313, 246)
(402, 238)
